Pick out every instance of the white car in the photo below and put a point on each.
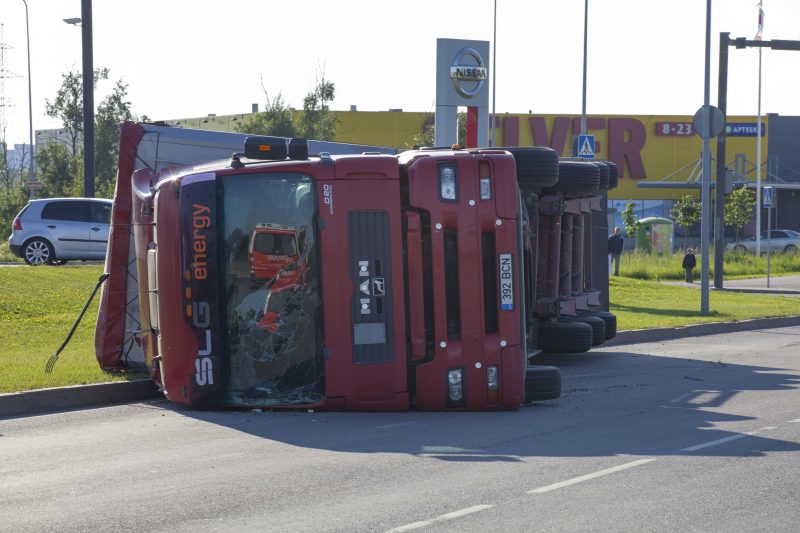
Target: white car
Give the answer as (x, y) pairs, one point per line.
(777, 240)
(55, 230)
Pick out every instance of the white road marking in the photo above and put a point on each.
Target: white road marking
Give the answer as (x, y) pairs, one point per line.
(442, 518)
(724, 440)
(796, 420)
(682, 397)
(587, 477)
(399, 424)
(588, 375)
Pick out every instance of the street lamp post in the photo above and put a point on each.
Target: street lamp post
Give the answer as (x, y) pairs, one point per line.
(32, 174)
(88, 95)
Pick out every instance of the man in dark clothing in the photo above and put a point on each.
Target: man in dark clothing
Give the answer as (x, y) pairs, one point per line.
(615, 245)
(689, 262)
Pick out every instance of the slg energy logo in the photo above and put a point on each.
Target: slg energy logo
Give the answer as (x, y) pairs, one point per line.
(200, 311)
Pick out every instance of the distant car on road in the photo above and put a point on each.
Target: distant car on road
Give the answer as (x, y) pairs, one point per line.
(55, 230)
(778, 240)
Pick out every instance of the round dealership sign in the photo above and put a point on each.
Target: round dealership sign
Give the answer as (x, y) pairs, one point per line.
(468, 73)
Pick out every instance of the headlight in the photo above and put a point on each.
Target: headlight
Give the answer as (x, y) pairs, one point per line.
(448, 185)
(455, 385)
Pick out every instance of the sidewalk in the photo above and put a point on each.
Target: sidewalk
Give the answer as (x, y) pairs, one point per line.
(778, 285)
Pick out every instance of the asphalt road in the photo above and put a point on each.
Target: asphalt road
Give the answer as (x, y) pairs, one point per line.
(695, 434)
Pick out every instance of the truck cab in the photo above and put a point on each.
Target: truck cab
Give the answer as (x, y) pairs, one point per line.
(403, 285)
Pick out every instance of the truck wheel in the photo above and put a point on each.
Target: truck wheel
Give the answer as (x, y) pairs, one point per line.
(609, 318)
(577, 176)
(605, 174)
(565, 337)
(598, 326)
(542, 383)
(613, 175)
(536, 166)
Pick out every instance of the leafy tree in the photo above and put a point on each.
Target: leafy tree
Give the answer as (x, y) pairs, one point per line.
(59, 170)
(739, 208)
(686, 213)
(12, 196)
(317, 121)
(114, 109)
(629, 219)
(68, 104)
(276, 119)
(427, 130)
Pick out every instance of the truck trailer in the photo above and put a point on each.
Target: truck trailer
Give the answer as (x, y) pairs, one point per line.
(429, 279)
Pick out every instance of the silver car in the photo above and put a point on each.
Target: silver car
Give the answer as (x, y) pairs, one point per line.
(55, 230)
(777, 240)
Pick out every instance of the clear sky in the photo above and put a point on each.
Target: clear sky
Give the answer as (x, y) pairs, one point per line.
(183, 58)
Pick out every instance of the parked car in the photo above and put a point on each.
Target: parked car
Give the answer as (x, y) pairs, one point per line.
(778, 240)
(55, 230)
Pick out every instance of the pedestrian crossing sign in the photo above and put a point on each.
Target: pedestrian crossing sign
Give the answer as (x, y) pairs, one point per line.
(586, 146)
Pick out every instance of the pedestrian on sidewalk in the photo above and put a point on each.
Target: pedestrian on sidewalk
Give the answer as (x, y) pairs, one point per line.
(615, 245)
(689, 262)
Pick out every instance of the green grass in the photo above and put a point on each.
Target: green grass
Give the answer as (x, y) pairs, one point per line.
(642, 304)
(665, 267)
(39, 305)
(37, 309)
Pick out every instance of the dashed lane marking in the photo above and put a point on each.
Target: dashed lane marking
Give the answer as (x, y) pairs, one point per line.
(724, 440)
(587, 477)
(442, 518)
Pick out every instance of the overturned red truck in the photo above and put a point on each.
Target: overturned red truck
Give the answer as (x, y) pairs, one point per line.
(245, 272)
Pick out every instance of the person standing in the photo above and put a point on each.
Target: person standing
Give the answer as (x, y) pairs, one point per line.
(615, 245)
(689, 262)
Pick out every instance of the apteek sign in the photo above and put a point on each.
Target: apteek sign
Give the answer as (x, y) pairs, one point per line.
(468, 72)
(744, 129)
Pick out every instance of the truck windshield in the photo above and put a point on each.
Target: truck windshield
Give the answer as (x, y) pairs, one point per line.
(274, 338)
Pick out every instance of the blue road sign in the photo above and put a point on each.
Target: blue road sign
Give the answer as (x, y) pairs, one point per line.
(766, 197)
(586, 146)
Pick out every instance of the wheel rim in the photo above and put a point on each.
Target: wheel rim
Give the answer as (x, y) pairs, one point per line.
(37, 253)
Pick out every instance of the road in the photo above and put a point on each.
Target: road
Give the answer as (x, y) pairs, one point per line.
(685, 435)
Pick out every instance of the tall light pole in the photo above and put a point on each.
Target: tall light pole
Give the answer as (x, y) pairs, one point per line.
(585, 53)
(32, 175)
(88, 95)
(494, 77)
(705, 194)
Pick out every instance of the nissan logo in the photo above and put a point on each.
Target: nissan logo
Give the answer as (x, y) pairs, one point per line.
(468, 75)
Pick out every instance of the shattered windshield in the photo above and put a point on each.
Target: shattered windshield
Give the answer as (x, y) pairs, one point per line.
(274, 335)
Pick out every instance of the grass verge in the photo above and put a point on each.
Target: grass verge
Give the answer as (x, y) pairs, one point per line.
(5, 254)
(666, 267)
(642, 304)
(39, 305)
(37, 309)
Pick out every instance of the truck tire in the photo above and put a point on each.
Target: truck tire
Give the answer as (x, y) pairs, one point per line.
(605, 174)
(613, 175)
(577, 176)
(542, 383)
(537, 166)
(565, 337)
(597, 324)
(609, 318)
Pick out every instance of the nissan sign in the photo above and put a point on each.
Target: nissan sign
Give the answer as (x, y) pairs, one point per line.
(468, 73)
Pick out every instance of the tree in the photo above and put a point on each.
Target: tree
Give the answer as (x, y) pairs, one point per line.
(629, 219)
(276, 119)
(686, 213)
(317, 121)
(113, 110)
(68, 104)
(427, 130)
(59, 170)
(739, 208)
(12, 195)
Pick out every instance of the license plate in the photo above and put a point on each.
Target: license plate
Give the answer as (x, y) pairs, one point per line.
(506, 282)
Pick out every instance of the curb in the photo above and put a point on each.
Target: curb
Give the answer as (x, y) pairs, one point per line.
(636, 336)
(41, 401)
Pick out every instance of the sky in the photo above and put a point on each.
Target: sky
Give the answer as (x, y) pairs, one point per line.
(190, 58)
